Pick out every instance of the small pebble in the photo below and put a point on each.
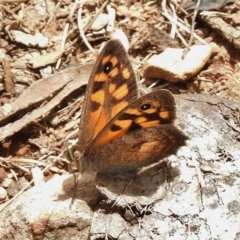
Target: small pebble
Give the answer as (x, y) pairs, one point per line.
(6, 182)
(3, 193)
(100, 22)
(43, 151)
(171, 66)
(123, 11)
(37, 175)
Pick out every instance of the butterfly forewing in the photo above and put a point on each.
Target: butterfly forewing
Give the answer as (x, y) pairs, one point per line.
(112, 86)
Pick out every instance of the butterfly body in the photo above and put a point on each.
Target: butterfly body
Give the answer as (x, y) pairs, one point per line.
(120, 129)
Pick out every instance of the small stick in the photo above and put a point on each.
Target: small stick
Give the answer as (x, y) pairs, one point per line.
(94, 18)
(52, 16)
(8, 77)
(81, 30)
(112, 15)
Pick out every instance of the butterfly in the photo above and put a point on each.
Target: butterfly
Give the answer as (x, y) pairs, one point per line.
(119, 129)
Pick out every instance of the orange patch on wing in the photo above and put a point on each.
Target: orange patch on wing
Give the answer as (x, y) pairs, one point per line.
(114, 72)
(111, 135)
(150, 124)
(164, 115)
(106, 59)
(123, 124)
(98, 96)
(126, 73)
(149, 111)
(112, 88)
(110, 58)
(100, 124)
(94, 116)
(134, 111)
(118, 107)
(114, 60)
(101, 77)
(140, 120)
(121, 92)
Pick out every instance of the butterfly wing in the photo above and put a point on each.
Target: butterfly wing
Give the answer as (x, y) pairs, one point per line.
(135, 149)
(141, 134)
(112, 86)
(153, 109)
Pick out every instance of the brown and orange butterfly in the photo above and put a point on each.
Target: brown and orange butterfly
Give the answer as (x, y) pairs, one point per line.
(119, 129)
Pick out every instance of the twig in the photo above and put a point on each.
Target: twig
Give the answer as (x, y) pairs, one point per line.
(8, 77)
(174, 23)
(193, 23)
(180, 25)
(174, 26)
(94, 18)
(64, 37)
(179, 7)
(112, 15)
(52, 16)
(65, 32)
(80, 27)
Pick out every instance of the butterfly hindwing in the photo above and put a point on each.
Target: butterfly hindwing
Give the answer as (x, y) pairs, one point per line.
(153, 109)
(135, 149)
